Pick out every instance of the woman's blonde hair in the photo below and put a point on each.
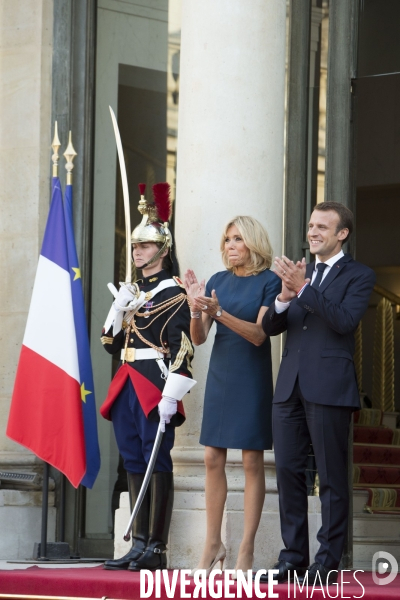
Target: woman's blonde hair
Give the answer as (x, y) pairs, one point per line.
(257, 241)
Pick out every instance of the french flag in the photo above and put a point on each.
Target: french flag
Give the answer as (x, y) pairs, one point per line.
(46, 414)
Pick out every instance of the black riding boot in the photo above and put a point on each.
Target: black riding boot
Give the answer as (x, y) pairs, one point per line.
(162, 499)
(140, 527)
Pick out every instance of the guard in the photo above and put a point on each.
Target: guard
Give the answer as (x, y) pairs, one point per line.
(149, 324)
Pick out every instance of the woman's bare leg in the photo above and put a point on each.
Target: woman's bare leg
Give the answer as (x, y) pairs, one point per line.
(254, 496)
(216, 490)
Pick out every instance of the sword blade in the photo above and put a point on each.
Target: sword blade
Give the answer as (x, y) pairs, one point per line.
(145, 484)
(125, 191)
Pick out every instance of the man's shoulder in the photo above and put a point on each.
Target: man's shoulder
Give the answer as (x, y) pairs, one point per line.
(357, 266)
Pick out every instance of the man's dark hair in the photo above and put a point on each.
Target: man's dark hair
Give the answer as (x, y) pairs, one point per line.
(346, 217)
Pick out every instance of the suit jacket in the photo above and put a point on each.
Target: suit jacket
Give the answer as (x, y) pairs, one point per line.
(320, 327)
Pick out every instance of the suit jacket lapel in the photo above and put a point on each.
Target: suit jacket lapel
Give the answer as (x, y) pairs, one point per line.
(334, 271)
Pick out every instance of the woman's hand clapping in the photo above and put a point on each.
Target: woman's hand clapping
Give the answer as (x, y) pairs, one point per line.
(193, 288)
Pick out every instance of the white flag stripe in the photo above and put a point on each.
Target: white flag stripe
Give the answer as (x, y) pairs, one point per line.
(50, 329)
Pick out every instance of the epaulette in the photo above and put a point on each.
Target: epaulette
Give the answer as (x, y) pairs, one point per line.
(178, 282)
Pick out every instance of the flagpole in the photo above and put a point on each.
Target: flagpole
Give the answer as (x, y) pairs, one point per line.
(56, 145)
(69, 165)
(46, 471)
(69, 157)
(45, 510)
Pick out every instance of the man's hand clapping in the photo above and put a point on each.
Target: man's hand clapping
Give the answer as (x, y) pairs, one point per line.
(292, 276)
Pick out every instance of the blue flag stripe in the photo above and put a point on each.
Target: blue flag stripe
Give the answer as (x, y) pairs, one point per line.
(54, 245)
(84, 358)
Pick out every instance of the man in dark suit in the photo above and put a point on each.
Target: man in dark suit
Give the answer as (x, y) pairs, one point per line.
(320, 307)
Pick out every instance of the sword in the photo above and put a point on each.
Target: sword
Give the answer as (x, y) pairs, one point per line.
(145, 484)
(125, 190)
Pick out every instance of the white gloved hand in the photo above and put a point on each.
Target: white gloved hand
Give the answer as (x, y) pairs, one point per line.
(123, 298)
(137, 303)
(167, 408)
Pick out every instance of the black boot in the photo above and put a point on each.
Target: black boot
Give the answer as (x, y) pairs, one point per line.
(140, 527)
(162, 499)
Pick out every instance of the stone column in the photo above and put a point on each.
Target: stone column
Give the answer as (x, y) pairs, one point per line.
(230, 161)
(25, 169)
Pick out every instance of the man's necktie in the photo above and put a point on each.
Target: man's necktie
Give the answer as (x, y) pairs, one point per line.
(320, 269)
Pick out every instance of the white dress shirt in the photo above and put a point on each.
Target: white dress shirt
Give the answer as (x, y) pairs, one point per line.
(281, 306)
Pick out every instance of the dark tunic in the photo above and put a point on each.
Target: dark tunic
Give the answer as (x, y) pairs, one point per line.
(238, 396)
(174, 328)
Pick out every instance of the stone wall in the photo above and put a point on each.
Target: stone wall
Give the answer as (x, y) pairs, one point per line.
(26, 36)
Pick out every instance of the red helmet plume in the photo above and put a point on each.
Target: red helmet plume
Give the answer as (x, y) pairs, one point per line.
(162, 200)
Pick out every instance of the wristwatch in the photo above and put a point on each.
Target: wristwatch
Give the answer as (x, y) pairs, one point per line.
(219, 312)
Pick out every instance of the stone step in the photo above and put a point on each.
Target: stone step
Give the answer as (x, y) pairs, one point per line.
(371, 526)
(360, 498)
(365, 547)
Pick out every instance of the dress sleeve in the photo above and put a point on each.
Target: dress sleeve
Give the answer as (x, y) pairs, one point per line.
(272, 288)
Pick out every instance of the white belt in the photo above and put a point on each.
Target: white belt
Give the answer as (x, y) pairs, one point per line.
(132, 354)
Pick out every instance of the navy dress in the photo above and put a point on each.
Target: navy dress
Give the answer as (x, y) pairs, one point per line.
(238, 397)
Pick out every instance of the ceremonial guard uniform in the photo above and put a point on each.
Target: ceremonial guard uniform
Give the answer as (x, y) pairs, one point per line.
(149, 326)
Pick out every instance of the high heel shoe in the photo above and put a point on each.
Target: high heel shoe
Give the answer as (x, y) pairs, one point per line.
(236, 571)
(220, 557)
(234, 574)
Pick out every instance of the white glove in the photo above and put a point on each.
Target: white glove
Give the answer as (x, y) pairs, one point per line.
(123, 298)
(137, 303)
(167, 408)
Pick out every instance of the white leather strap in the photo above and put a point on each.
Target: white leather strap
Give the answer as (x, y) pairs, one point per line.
(142, 354)
(163, 285)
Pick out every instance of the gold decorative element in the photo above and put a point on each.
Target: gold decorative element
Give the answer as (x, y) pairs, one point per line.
(128, 355)
(358, 356)
(178, 282)
(160, 309)
(153, 279)
(356, 473)
(186, 350)
(69, 156)
(56, 146)
(127, 334)
(393, 298)
(383, 365)
(383, 498)
(370, 416)
(106, 340)
(151, 228)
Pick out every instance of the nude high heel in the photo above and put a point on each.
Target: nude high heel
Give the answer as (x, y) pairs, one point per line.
(220, 557)
(234, 574)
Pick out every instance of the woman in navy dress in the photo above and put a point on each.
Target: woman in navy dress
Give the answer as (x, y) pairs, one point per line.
(238, 396)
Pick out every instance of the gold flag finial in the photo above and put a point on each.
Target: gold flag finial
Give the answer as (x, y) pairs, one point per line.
(69, 156)
(56, 146)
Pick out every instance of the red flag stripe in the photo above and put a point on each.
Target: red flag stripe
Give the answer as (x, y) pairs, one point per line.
(46, 415)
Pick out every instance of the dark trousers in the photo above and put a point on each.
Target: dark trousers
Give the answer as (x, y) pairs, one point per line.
(135, 434)
(296, 424)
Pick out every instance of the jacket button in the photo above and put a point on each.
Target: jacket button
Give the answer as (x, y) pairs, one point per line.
(305, 327)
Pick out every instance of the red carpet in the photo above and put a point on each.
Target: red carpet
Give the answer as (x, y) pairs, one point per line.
(376, 456)
(373, 435)
(95, 582)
